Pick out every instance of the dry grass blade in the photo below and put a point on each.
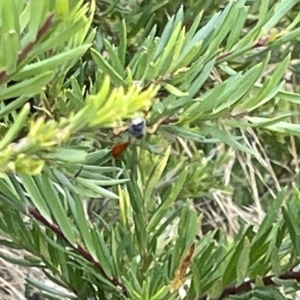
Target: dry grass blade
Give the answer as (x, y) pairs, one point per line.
(181, 271)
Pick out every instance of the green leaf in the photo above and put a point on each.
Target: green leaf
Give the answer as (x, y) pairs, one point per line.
(113, 57)
(280, 9)
(286, 128)
(275, 261)
(6, 109)
(270, 89)
(18, 261)
(212, 99)
(108, 182)
(7, 188)
(123, 44)
(29, 87)
(10, 43)
(257, 121)
(174, 91)
(169, 201)
(177, 51)
(216, 290)
(161, 294)
(243, 85)
(156, 174)
(230, 271)
(189, 35)
(187, 231)
(102, 251)
(189, 134)
(291, 217)
(224, 26)
(62, 8)
(236, 31)
(165, 37)
(162, 64)
(51, 63)
(36, 196)
(42, 287)
(16, 127)
(289, 96)
(106, 68)
(243, 262)
(57, 209)
(226, 138)
(164, 224)
(268, 293)
(38, 10)
(271, 215)
(68, 155)
(98, 190)
(59, 38)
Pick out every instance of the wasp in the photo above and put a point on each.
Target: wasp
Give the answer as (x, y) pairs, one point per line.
(137, 129)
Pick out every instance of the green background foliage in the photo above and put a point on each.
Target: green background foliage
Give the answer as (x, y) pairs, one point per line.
(206, 205)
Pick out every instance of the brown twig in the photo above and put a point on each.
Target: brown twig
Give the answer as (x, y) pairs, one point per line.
(42, 31)
(54, 228)
(23, 54)
(3, 75)
(246, 286)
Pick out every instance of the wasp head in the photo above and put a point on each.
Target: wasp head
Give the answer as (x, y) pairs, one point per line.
(137, 128)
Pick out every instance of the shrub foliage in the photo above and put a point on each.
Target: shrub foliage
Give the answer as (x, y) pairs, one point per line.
(216, 82)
